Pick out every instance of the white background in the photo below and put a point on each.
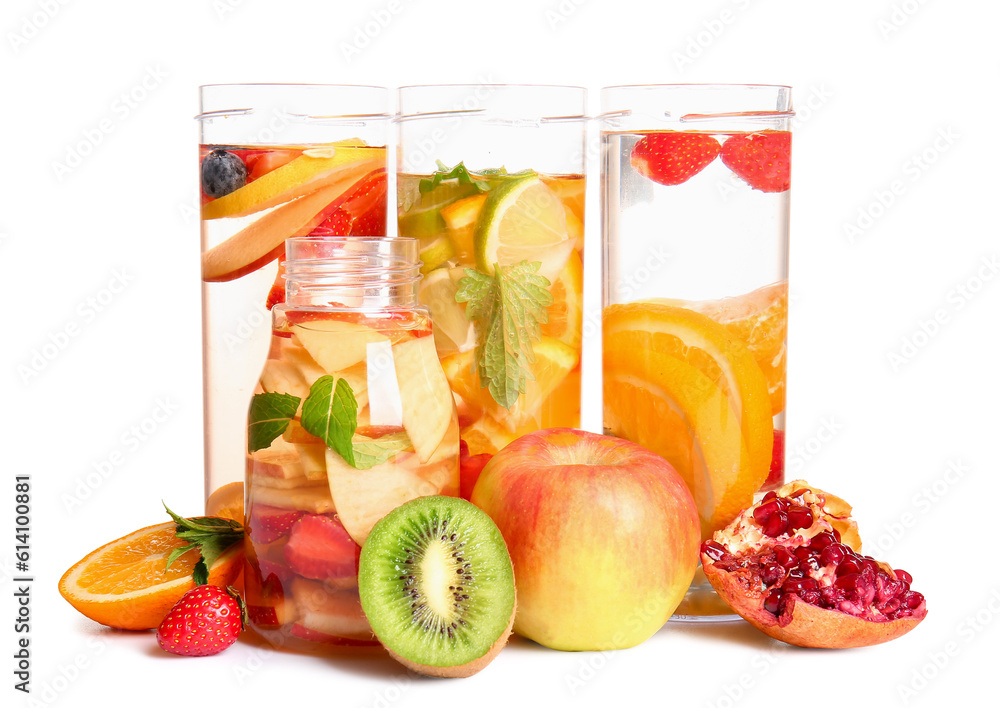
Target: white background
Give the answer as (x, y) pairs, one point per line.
(891, 94)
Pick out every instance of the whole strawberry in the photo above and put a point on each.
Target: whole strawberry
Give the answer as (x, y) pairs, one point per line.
(762, 159)
(206, 620)
(673, 157)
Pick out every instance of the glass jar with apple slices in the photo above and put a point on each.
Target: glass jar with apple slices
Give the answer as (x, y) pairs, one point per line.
(353, 416)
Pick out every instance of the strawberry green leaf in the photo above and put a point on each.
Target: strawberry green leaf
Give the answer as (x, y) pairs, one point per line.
(270, 414)
(330, 412)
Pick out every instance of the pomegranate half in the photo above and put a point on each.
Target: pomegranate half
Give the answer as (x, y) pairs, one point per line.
(791, 565)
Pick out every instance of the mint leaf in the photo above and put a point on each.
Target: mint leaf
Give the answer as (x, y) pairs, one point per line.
(508, 308)
(270, 414)
(210, 536)
(458, 172)
(371, 452)
(330, 412)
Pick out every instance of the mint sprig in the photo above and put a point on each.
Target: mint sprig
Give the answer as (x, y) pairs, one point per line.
(508, 308)
(331, 414)
(458, 172)
(209, 536)
(270, 414)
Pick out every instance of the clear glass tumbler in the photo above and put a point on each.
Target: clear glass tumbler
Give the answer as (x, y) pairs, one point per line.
(695, 190)
(490, 179)
(275, 161)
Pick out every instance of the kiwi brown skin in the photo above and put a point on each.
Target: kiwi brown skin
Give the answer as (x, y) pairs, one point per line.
(371, 582)
(463, 670)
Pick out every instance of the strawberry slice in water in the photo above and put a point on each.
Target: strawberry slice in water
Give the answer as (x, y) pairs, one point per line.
(762, 159)
(269, 523)
(673, 157)
(320, 548)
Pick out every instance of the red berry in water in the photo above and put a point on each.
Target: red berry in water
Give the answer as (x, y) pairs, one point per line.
(206, 620)
(761, 159)
(673, 157)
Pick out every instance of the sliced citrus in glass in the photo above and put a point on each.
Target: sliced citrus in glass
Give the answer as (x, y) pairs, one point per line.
(227, 502)
(316, 167)
(565, 314)
(522, 219)
(125, 583)
(673, 409)
(759, 319)
(554, 360)
(640, 330)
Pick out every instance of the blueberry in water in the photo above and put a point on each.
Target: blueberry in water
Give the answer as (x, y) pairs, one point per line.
(221, 173)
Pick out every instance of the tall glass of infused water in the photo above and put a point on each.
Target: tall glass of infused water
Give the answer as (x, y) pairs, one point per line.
(275, 161)
(695, 190)
(491, 183)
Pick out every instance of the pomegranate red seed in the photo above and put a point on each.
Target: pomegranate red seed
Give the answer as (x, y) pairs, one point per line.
(799, 517)
(833, 596)
(850, 566)
(913, 600)
(769, 496)
(821, 541)
(803, 552)
(782, 504)
(771, 574)
(891, 606)
(809, 565)
(799, 584)
(776, 525)
(811, 595)
(763, 512)
(713, 550)
(772, 603)
(834, 554)
(836, 534)
(904, 576)
(784, 557)
(848, 581)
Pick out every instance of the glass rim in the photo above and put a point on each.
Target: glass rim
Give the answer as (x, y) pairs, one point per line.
(554, 116)
(384, 114)
(696, 86)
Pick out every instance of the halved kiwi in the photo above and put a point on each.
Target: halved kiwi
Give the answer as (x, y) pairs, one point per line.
(437, 586)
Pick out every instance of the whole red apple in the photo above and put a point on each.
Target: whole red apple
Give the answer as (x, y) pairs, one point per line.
(603, 533)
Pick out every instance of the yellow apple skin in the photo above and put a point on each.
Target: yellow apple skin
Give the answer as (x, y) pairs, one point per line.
(603, 534)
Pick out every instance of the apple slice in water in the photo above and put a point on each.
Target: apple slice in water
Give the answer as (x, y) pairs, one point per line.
(362, 497)
(428, 404)
(336, 344)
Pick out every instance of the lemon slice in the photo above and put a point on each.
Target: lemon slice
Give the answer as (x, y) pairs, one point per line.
(522, 220)
(452, 330)
(436, 254)
(306, 173)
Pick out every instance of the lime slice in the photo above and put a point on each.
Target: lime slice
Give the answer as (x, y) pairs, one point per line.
(452, 331)
(522, 220)
(423, 218)
(436, 254)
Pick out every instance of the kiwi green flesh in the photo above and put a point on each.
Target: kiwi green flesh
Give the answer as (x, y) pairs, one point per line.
(436, 582)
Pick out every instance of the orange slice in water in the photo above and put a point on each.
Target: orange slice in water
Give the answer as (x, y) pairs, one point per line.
(680, 384)
(565, 314)
(227, 502)
(124, 583)
(759, 319)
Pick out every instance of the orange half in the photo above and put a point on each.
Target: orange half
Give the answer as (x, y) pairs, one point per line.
(124, 584)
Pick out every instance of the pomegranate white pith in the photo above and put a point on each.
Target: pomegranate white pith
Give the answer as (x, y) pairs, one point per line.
(791, 565)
